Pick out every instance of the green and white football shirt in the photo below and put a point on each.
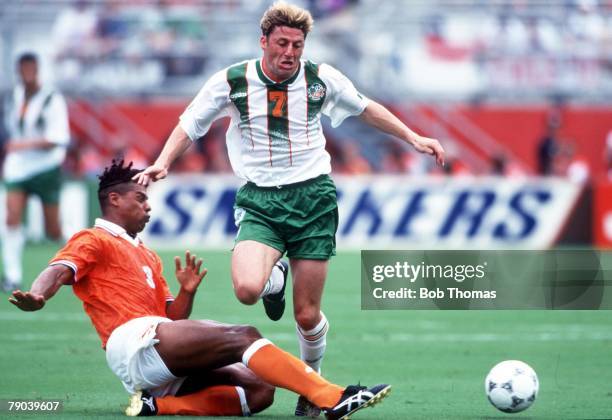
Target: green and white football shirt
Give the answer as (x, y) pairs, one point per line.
(275, 135)
(44, 117)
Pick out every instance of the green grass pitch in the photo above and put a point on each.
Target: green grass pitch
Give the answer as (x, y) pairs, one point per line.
(435, 360)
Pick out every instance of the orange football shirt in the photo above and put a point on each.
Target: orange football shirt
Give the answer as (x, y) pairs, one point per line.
(116, 276)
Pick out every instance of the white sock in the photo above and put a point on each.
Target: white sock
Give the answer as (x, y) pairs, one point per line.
(12, 249)
(246, 411)
(313, 343)
(274, 283)
(252, 349)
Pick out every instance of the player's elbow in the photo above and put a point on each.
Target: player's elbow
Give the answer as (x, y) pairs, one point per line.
(60, 274)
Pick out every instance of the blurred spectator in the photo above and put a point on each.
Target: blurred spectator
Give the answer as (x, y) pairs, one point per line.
(323, 8)
(212, 147)
(398, 159)
(495, 48)
(129, 47)
(586, 26)
(512, 36)
(548, 147)
(129, 153)
(186, 53)
(74, 30)
(498, 165)
(91, 160)
(543, 37)
(333, 148)
(192, 161)
(578, 168)
(112, 29)
(394, 160)
(502, 166)
(444, 47)
(608, 155)
(354, 162)
(455, 167)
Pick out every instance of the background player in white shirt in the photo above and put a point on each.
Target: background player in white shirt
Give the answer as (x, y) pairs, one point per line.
(275, 143)
(36, 119)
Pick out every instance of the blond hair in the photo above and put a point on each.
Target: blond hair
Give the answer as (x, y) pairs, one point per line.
(284, 14)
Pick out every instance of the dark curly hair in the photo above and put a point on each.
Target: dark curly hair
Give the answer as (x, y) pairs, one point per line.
(115, 178)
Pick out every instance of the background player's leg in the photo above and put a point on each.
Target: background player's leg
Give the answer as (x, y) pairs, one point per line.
(13, 238)
(312, 326)
(47, 186)
(52, 221)
(252, 264)
(229, 391)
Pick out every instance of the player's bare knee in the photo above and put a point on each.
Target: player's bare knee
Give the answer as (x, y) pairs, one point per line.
(307, 317)
(13, 220)
(247, 294)
(260, 397)
(250, 333)
(242, 337)
(268, 394)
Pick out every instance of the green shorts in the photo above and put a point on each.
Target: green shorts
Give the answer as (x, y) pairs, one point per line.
(300, 218)
(46, 185)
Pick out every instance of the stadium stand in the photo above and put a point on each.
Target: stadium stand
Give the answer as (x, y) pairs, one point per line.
(459, 71)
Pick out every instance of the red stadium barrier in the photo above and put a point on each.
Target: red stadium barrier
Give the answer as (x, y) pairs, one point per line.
(516, 129)
(603, 215)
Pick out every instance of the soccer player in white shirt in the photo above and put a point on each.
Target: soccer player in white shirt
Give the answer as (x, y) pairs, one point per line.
(275, 142)
(37, 124)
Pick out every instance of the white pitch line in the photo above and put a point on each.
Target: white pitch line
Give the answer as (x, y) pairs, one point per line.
(491, 337)
(398, 338)
(20, 337)
(43, 316)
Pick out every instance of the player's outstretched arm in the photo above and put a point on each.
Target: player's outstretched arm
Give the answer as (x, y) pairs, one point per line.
(189, 277)
(381, 118)
(44, 287)
(175, 146)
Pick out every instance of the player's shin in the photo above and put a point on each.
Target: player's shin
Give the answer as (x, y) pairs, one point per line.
(313, 343)
(220, 400)
(279, 368)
